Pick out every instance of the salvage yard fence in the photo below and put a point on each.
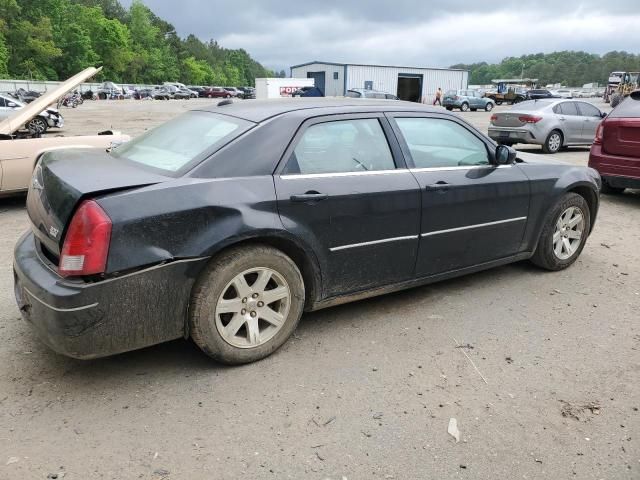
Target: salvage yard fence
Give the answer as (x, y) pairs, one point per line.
(44, 86)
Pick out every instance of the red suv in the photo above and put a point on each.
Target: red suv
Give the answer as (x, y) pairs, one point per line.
(615, 152)
(216, 92)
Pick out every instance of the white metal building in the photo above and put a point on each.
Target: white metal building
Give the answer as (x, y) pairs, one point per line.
(408, 83)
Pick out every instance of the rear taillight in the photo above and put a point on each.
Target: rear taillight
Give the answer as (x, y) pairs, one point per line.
(456, 97)
(529, 118)
(494, 117)
(86, 244)
(599, 134)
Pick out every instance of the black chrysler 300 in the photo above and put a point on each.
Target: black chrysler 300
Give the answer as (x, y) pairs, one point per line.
(226, 223)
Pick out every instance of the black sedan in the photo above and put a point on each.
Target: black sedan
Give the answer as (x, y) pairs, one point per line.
(540, 93)
(228, 222)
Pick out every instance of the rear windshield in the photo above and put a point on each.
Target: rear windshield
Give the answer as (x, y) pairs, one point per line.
(182, 141)
(628, 108)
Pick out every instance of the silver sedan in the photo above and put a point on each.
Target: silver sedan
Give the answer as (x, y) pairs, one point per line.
(552, 123)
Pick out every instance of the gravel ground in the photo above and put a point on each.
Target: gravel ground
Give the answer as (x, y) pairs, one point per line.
(540, 370)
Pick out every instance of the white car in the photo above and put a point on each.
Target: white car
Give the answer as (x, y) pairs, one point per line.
(48, 118)
(565, 93)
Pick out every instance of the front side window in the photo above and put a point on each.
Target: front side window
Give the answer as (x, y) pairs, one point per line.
(175, 144)
(435, 142)
(341, 146)
(588, 110)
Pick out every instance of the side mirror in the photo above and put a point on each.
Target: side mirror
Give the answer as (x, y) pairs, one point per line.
(603, 114)
(505, 155)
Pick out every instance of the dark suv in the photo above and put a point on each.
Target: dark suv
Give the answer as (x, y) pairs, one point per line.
(537, 94)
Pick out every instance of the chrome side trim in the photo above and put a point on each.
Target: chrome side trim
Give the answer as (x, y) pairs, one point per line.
(478, 225)
(342, 174)
(466, 167)
(76, 309)
(374, 242)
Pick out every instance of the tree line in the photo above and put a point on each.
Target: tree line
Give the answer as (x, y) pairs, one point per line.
(569, 68)
(55, 39)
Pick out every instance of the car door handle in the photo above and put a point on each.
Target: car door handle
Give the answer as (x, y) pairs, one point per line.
(562, 118)
(440, 186)
(311, 196)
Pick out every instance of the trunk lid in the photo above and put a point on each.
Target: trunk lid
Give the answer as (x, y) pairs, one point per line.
(507, 119)
(65, 177)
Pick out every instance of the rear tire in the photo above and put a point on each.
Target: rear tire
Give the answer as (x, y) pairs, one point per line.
(557, 247)
(553, 143)
(259, 326)
(609, 190)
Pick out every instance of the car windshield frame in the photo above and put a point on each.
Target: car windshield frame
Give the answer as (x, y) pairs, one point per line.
(243, 126)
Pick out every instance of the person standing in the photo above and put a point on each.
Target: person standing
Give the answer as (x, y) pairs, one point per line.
(438, 99)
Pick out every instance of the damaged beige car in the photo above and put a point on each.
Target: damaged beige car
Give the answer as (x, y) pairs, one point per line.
(20, 151)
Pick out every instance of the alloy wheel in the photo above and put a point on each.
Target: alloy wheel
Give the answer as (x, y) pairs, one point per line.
(555, 142)
(568, 233)
(253, 307)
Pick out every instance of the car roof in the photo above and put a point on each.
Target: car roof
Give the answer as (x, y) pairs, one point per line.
(261, 110)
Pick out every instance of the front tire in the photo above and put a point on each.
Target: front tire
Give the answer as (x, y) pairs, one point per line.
(564, 233)
(246, 304)
(464, 107)
(37, 125)
(553, 143)
(488, 107)
(615, 100)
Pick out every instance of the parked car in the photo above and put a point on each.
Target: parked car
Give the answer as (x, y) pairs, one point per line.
(539, 93)
(226, 223)
(309, 91)
(615, 152)
(48, 118)
(248, 92)
(564, 93)
(367, 93)
(110, 90)
(467, 100)
(198, 90)
(161, 93)
(25, 96)
(217, 92)
(234, 91)
(21, 151)
(143, 93)
(181, 93)
(551, 123)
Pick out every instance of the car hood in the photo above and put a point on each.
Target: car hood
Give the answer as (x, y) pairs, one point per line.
(23, 115)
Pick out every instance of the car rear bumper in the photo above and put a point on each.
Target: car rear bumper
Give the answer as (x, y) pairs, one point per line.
(90, 320)
(514, 135)
(616, 171)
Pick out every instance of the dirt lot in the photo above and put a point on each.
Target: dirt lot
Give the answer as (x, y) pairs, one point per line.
(362, 391)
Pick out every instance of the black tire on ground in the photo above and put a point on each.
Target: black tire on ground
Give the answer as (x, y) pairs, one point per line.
(498, 102)
(551, 144)
(488, 107)
(215, 280)
(544, 256)
(227, 96)
(609, 190)
(449, 108)
(474, 109)
(616, 99)
(464, 107)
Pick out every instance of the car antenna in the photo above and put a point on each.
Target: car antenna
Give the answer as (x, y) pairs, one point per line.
(228, 101)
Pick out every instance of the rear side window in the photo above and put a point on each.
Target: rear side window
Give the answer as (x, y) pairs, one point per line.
(183, 140)
(435, 142)
(341, 146)
(568, 108)
(588, 110)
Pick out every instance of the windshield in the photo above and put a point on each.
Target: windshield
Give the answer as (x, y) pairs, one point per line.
(175, 144)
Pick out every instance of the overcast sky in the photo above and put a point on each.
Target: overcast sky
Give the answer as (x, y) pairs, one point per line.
(281, 33)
